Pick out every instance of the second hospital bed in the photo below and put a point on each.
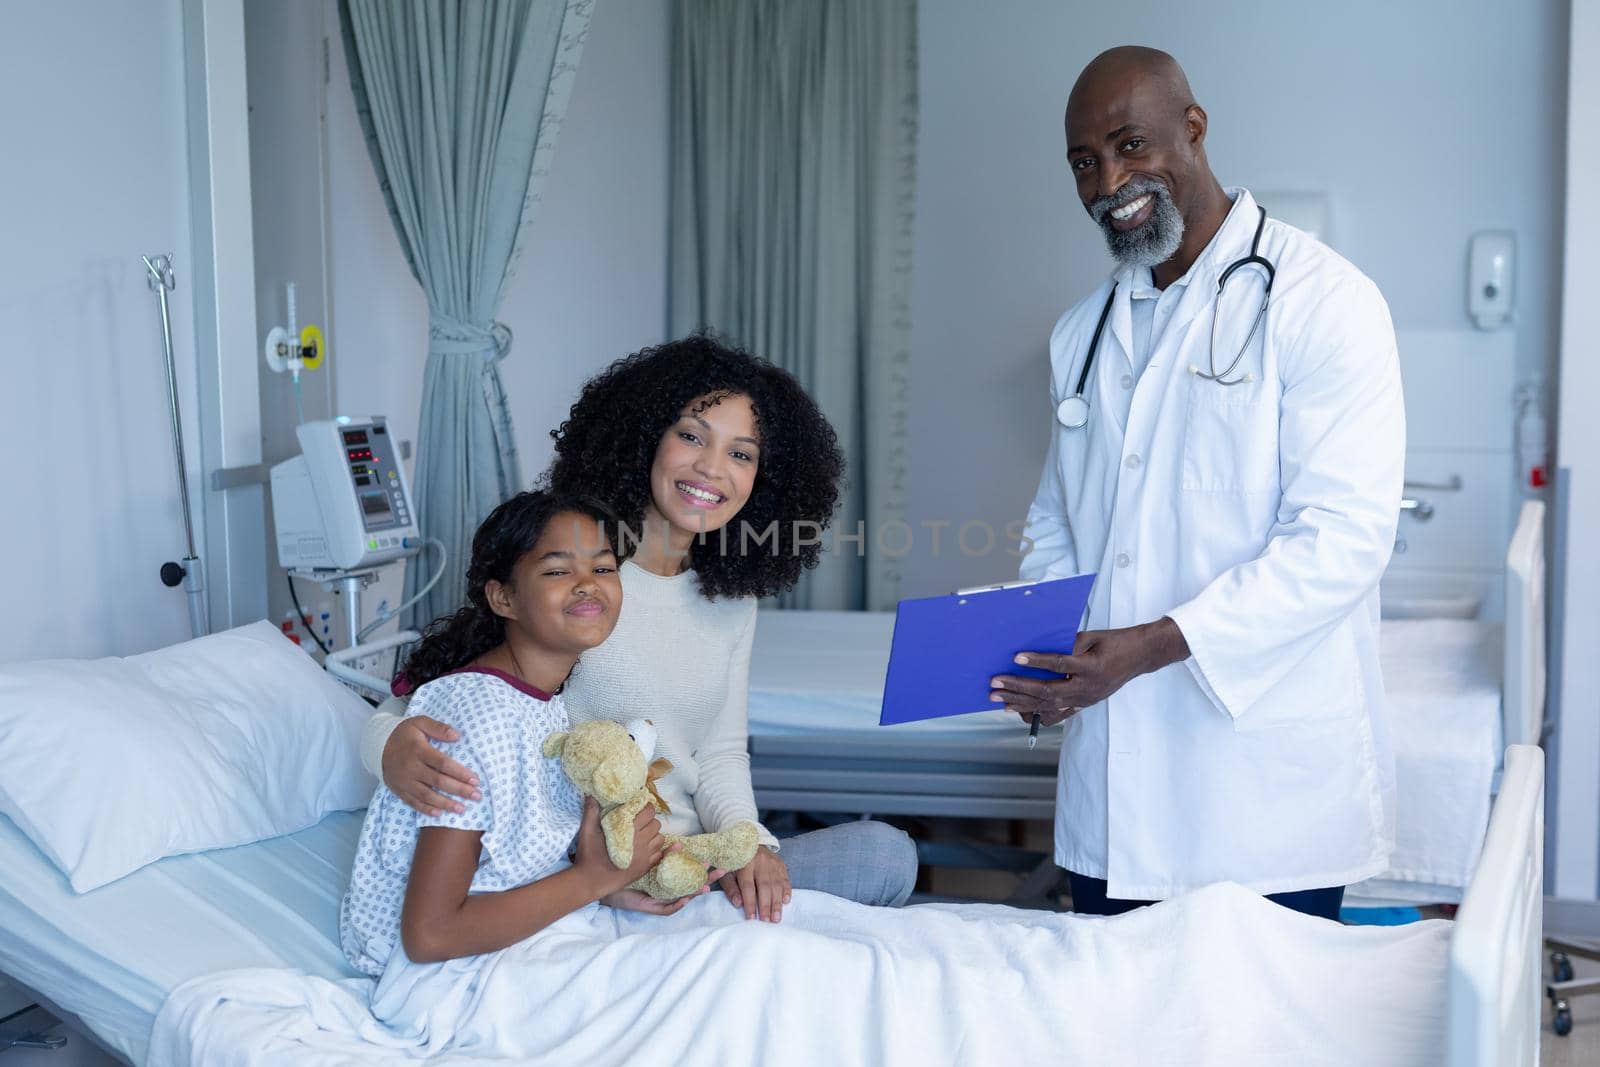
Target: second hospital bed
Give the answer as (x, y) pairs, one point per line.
(1459, 691)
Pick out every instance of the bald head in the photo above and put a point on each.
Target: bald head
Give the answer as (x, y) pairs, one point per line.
(1149, 72)
(1136, 146)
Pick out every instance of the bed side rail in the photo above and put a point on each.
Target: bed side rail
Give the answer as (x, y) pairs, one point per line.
(1494, 981)
(341, 664)
(1524, 668)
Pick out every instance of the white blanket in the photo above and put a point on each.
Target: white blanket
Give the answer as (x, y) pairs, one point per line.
(1219, 976)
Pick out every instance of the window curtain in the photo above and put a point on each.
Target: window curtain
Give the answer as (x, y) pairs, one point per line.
(793, 171)
(461, 103)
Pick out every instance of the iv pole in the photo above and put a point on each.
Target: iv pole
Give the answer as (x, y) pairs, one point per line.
(190, 572)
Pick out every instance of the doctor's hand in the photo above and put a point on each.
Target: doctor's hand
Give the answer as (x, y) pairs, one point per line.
(420, 774)
(1102, 662)
(761, 887)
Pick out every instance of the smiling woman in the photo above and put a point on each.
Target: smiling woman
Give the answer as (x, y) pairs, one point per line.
(719, 468)
(704, 469)
(662, 434)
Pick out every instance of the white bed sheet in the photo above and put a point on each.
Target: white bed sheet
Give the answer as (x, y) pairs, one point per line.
(1216, 977)
(816, 672)
(1442, 679)
(112, 955)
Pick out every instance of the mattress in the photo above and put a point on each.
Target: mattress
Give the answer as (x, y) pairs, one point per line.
(109, 957)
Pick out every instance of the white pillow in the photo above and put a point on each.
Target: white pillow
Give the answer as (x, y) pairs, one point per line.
(111, 764)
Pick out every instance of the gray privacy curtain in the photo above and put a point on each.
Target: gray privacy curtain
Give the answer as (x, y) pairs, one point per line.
(793, 170)
(461, 102)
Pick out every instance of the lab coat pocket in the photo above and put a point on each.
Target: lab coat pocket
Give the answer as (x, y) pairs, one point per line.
(1230, 442)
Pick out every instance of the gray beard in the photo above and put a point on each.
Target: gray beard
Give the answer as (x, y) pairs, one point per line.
(1150, 244)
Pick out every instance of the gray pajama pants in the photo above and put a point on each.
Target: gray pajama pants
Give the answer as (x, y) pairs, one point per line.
(868, 862)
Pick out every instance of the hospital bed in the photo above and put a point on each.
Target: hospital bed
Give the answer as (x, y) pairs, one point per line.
(1459, 690)
(107, 959)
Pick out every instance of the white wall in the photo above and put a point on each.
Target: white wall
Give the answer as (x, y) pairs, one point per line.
(1424, 122)
(95, 175)
(288, 98)
(591, 284)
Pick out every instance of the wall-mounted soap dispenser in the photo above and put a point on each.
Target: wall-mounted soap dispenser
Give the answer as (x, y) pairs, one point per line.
(1491, 278)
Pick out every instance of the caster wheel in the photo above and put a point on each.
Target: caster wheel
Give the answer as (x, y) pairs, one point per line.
(1562, 1023)
(1561, 967)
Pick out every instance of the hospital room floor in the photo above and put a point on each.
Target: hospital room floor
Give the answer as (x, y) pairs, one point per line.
(1580, 1049)
(79, 1051)
(1582, 1046)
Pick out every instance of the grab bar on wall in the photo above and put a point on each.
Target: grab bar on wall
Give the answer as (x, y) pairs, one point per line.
(1420, 509)
(1453, 485)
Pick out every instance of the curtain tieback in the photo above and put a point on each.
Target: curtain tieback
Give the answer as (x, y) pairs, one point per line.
(454, 337)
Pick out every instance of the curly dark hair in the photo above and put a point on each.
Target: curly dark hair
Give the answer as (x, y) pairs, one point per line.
(607, 446)
(509, 533)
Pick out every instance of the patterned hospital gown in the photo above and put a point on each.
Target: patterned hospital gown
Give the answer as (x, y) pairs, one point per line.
(529, 813)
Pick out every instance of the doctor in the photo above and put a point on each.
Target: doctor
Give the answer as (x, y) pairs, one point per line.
(1236, 485)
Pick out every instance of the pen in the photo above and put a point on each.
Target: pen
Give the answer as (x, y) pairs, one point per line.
(1033, 731)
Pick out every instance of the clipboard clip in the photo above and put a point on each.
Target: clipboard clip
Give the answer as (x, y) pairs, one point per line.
(995, 588)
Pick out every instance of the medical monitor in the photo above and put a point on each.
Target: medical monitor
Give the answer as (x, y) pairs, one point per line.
(344, 502)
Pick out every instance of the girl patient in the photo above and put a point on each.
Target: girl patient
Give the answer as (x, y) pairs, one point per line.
(542, 587)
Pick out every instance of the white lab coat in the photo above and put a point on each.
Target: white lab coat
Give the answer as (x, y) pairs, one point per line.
(1259, 517)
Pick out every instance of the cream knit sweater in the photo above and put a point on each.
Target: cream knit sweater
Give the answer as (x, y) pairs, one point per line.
(681, 661)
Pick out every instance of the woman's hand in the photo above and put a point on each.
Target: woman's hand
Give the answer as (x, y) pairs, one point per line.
(761, 887)
(420, 774)
(634, 900)
(594, 862)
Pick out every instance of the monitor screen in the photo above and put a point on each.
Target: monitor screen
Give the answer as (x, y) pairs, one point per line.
(375, 504)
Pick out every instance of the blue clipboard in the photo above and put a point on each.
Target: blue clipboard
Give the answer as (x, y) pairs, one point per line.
(946, 648)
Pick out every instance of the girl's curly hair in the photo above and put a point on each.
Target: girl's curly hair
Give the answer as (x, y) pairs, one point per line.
(509, 533)
(607, 446)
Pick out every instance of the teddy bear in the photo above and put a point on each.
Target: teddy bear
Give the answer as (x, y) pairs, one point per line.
(610, 762)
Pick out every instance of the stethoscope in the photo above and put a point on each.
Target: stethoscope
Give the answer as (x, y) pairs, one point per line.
(1073, 412)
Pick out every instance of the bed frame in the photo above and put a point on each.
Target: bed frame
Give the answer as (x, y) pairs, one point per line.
(869, 775)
